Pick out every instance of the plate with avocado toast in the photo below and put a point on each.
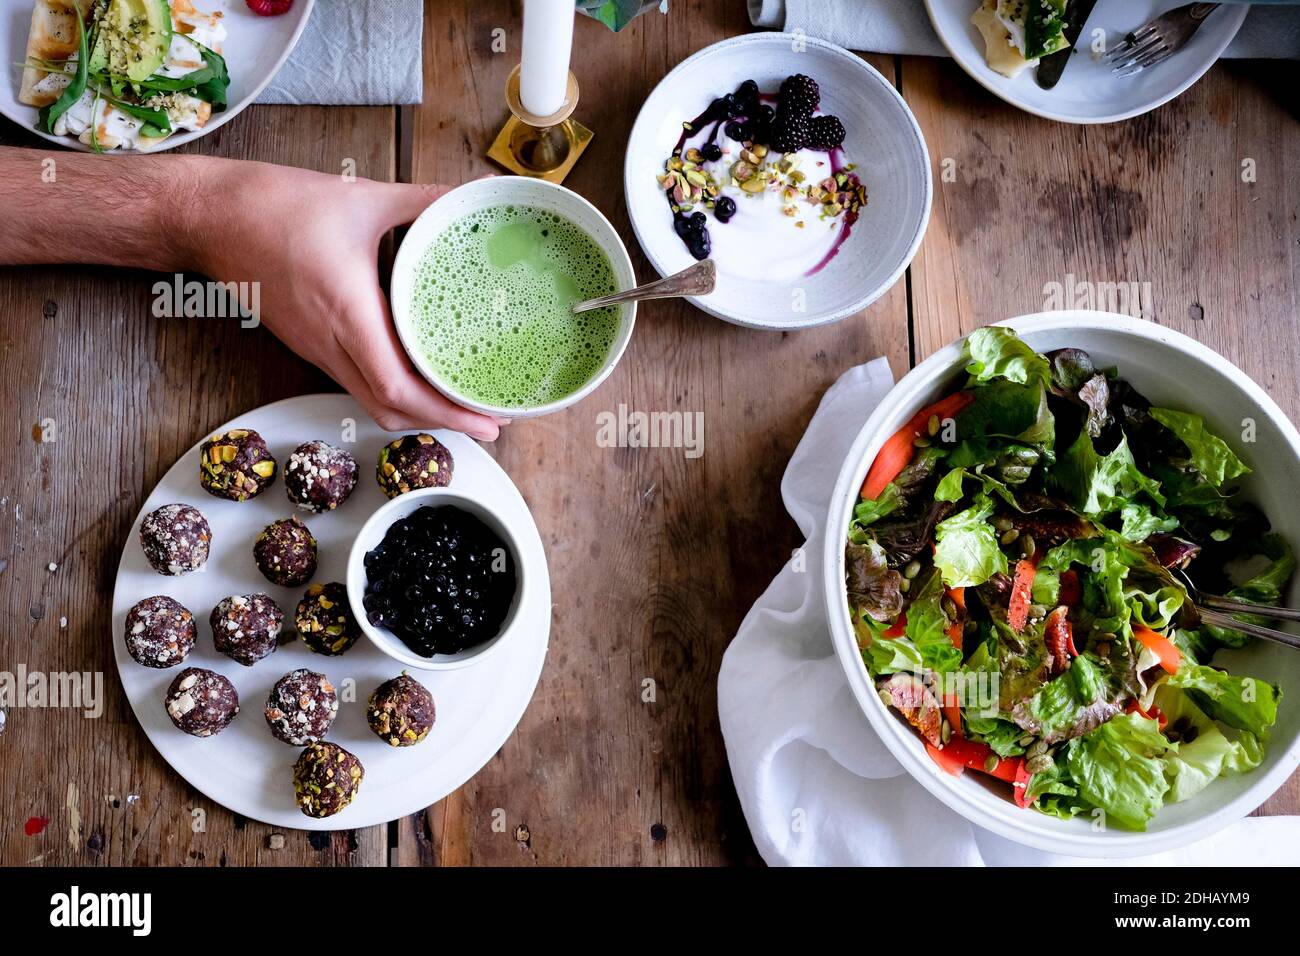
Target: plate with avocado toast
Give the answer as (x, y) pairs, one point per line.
(138, 75)
(1046, 56)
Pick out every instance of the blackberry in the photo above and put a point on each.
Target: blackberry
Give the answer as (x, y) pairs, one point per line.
(800, 94)
(825, 133)
(789, 133)
(711, 152)
(724, 208)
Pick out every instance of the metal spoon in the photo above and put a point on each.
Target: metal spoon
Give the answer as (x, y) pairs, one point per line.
(698, 279)
(1211, 609)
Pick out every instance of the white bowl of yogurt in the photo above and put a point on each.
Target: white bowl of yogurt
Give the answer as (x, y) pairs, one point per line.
(782, 264)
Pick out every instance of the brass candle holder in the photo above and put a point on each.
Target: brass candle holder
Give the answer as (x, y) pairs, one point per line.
(544, 147)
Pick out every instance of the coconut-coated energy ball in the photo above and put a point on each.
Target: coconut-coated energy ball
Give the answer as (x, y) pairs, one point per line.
(319, 477)
(236, 465)
(201, 702)
(160, 632)
(175, 539)
(285, 553)
(413, 461)
(246, 627)
(301, 707)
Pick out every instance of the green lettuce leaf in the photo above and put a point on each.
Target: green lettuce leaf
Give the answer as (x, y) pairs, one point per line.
(967, 551)
(997, 352)
(1204, 752)
(1210, 454)
(1246, 703)
(1120, 767)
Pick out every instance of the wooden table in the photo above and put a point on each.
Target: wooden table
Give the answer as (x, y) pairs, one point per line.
(654, 558)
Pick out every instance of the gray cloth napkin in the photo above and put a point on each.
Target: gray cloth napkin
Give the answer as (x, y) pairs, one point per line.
(903, 26)
(355, 53)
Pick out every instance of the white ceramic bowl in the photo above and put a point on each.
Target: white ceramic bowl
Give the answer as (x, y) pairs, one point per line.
(1170, 369)
(496, 191)
(372, 533)
(883, 139)
(1088, 91)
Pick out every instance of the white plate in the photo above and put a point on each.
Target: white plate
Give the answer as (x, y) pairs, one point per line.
(254, 52)
(244, 768)
(883, 139)
(1170, 369)
(1088, 92)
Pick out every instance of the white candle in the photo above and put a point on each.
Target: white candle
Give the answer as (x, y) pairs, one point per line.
(548, 40)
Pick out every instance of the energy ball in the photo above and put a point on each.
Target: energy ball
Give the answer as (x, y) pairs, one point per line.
(201, 702)
(324, 619)
(319, 477)
(413, 461)
(245, 627)
(236, 465)
(285, 552)
(401, 711)
(301, 707)
(325, 779)
(175, 539)
(160, 632)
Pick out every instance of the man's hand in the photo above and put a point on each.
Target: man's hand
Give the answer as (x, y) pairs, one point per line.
(311, 241)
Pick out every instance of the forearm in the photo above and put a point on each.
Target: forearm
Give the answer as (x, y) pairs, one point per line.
(141, 211)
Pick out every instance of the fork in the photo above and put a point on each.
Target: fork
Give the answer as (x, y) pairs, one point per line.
(1218, 610)
(1158, 39)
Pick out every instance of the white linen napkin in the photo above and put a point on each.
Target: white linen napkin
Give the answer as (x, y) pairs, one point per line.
(903, 26)
(817, 786)
(355, 53)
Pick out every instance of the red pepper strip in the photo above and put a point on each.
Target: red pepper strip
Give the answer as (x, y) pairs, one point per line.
(1022, 592)
(1020, 786)
(952, 713)
(1153, 714)
(899, 627)
(1058, 635)
(896, 453)
(959, 754)
(1169, 655)
(1071, 590)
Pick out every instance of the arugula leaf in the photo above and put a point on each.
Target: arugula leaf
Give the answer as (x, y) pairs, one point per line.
(1210, 454)
(997, 352)
(1243, 702)
(967, 551)
(1120, 767)
(615, 14)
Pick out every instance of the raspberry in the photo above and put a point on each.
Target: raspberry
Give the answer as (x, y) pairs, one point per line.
(789, 133)
(825, 133)
(800, 94)
(269, 8)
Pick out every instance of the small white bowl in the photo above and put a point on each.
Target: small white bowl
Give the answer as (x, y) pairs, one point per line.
(496, 191)
(883, 139)
(372, 533)
(1170, 369)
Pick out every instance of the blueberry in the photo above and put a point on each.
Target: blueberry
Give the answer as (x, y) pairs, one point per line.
(747, 92)
(735, 130)
(712, 152)
(735, 106)
(724, 208)
(698, 219)
(682, 227)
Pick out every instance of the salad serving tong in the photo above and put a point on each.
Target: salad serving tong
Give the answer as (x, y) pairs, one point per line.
(1158, 39)
(1218, 610)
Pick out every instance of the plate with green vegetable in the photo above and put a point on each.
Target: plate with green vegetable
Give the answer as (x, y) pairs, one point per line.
(140, 75)
(1007, 539)
(1045, 56)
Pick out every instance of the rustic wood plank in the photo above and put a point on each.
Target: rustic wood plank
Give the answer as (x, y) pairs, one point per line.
(127, 394)
(654, 558)
(1159, 199)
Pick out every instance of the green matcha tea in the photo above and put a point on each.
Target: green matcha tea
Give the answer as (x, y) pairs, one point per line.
(492, 303)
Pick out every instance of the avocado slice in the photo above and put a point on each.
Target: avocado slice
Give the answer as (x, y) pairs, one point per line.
(132, 38)
(1044, 28)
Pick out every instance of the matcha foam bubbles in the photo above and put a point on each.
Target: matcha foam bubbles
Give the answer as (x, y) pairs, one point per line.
(492, 300)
